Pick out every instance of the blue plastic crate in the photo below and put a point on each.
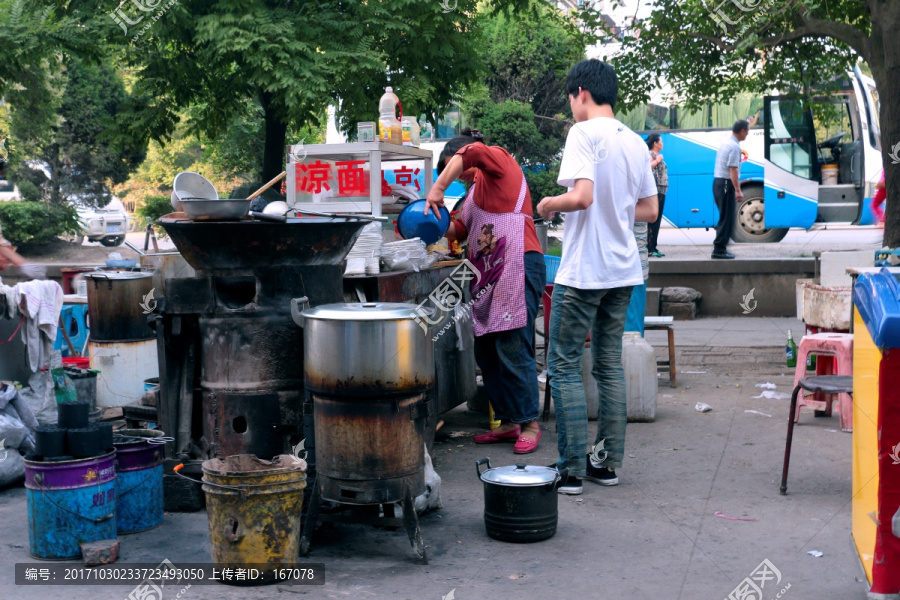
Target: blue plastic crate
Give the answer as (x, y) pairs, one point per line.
(552, 263)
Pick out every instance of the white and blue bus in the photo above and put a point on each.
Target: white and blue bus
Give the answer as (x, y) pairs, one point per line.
(801, 169)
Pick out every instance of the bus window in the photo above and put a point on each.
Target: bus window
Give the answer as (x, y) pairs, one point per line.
(634, 119)
(695, 120)
(790, 137)
(833, 120)
(656, 117)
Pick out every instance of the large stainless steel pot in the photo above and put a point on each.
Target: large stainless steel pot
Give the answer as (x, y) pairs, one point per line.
(369, 369)
(520, 501)
(118, 304)
(366, 349)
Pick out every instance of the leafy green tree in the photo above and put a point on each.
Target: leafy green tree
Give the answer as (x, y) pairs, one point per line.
(711, 51)
(76, 155)
(293, 59)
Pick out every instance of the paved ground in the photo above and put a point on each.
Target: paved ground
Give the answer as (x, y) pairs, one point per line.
(666, 532)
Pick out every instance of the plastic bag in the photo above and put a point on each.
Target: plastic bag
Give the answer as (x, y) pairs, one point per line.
(12, 468)
(12, 431)
(7, 393)
(40, 397)
(63, 387)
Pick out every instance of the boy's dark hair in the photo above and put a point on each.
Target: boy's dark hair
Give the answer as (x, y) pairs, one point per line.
(740, 125)
(652, 139)
(466, 136)
(595, 77)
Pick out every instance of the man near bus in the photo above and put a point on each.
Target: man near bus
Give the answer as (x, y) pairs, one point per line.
(606, 168)
(727, 186)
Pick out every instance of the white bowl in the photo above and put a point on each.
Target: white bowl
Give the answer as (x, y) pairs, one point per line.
(188, 184)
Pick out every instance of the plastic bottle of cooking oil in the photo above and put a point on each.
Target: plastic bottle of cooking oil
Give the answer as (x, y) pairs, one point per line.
(389, 127)
(410, 131)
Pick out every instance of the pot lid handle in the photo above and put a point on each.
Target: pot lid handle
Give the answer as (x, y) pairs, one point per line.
(520, 466)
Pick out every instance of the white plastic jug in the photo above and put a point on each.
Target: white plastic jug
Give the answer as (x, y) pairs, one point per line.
(389, 128)
(641, 384)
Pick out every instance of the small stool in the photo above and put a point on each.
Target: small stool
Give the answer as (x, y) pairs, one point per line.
(666, 323)
(840, 346)
(825, 384)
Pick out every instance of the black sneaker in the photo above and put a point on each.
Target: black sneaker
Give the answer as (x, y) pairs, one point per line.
(725, 255)
(569, 485)
(601, 475)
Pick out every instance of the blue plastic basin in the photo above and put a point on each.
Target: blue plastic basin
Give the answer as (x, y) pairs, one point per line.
(413, 223)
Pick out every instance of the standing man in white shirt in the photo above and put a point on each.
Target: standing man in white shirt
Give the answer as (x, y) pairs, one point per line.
(727, 186)
(606, 168)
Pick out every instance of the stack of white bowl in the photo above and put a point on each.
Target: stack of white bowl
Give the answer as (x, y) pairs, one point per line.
(365, 256)
(404, 255)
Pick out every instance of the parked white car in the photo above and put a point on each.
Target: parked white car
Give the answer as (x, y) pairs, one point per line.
(106, 225)
(8, 191)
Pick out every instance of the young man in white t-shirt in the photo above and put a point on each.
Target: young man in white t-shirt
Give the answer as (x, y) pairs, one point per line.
(606, 167)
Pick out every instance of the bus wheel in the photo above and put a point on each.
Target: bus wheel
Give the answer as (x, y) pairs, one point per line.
(750, 222)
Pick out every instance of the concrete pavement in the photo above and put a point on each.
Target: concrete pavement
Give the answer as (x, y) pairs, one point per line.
(696, 511)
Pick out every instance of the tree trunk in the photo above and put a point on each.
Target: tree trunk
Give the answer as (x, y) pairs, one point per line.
(886, 69)
(276, 133)
(54, 166)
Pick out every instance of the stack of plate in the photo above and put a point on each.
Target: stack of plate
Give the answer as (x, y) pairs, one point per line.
(365, 256)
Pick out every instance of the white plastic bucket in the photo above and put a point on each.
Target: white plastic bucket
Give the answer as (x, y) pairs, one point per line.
(829, 174)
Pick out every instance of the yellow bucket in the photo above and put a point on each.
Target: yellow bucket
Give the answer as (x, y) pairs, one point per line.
(254, 511)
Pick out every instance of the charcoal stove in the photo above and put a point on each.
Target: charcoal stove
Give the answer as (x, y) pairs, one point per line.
(369, 369)
(228, 331)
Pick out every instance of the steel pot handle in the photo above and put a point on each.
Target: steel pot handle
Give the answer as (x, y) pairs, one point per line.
(298, 305)
(559, 475)
(482, 461)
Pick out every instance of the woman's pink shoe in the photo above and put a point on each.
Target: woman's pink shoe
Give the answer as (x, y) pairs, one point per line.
(525, 445)
(493, 438)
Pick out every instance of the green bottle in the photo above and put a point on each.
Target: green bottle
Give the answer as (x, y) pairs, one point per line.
(810, 359)
(790, 351)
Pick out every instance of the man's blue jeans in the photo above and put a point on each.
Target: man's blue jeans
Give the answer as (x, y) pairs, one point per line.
(576, 313)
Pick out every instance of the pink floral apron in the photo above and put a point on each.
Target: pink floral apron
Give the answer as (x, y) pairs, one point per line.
(497, 249)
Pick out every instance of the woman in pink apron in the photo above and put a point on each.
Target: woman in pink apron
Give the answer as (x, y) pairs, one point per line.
(504, 249)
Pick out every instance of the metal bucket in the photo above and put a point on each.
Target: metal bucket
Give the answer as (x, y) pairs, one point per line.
(139, 483)
(254, 510)
(69, 503)
(116, 306)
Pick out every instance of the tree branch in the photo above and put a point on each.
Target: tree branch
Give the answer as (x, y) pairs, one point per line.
(811, 27)
(818, 27)
(709, 38)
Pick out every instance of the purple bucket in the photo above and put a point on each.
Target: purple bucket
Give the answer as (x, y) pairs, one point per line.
(70, 502)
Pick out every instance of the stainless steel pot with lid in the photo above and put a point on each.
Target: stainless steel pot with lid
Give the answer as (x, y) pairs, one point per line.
(367, 349)
(520, 501)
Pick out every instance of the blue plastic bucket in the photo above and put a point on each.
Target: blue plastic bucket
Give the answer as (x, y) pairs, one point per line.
(70, 502)
(139, 483)
(552, 263)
